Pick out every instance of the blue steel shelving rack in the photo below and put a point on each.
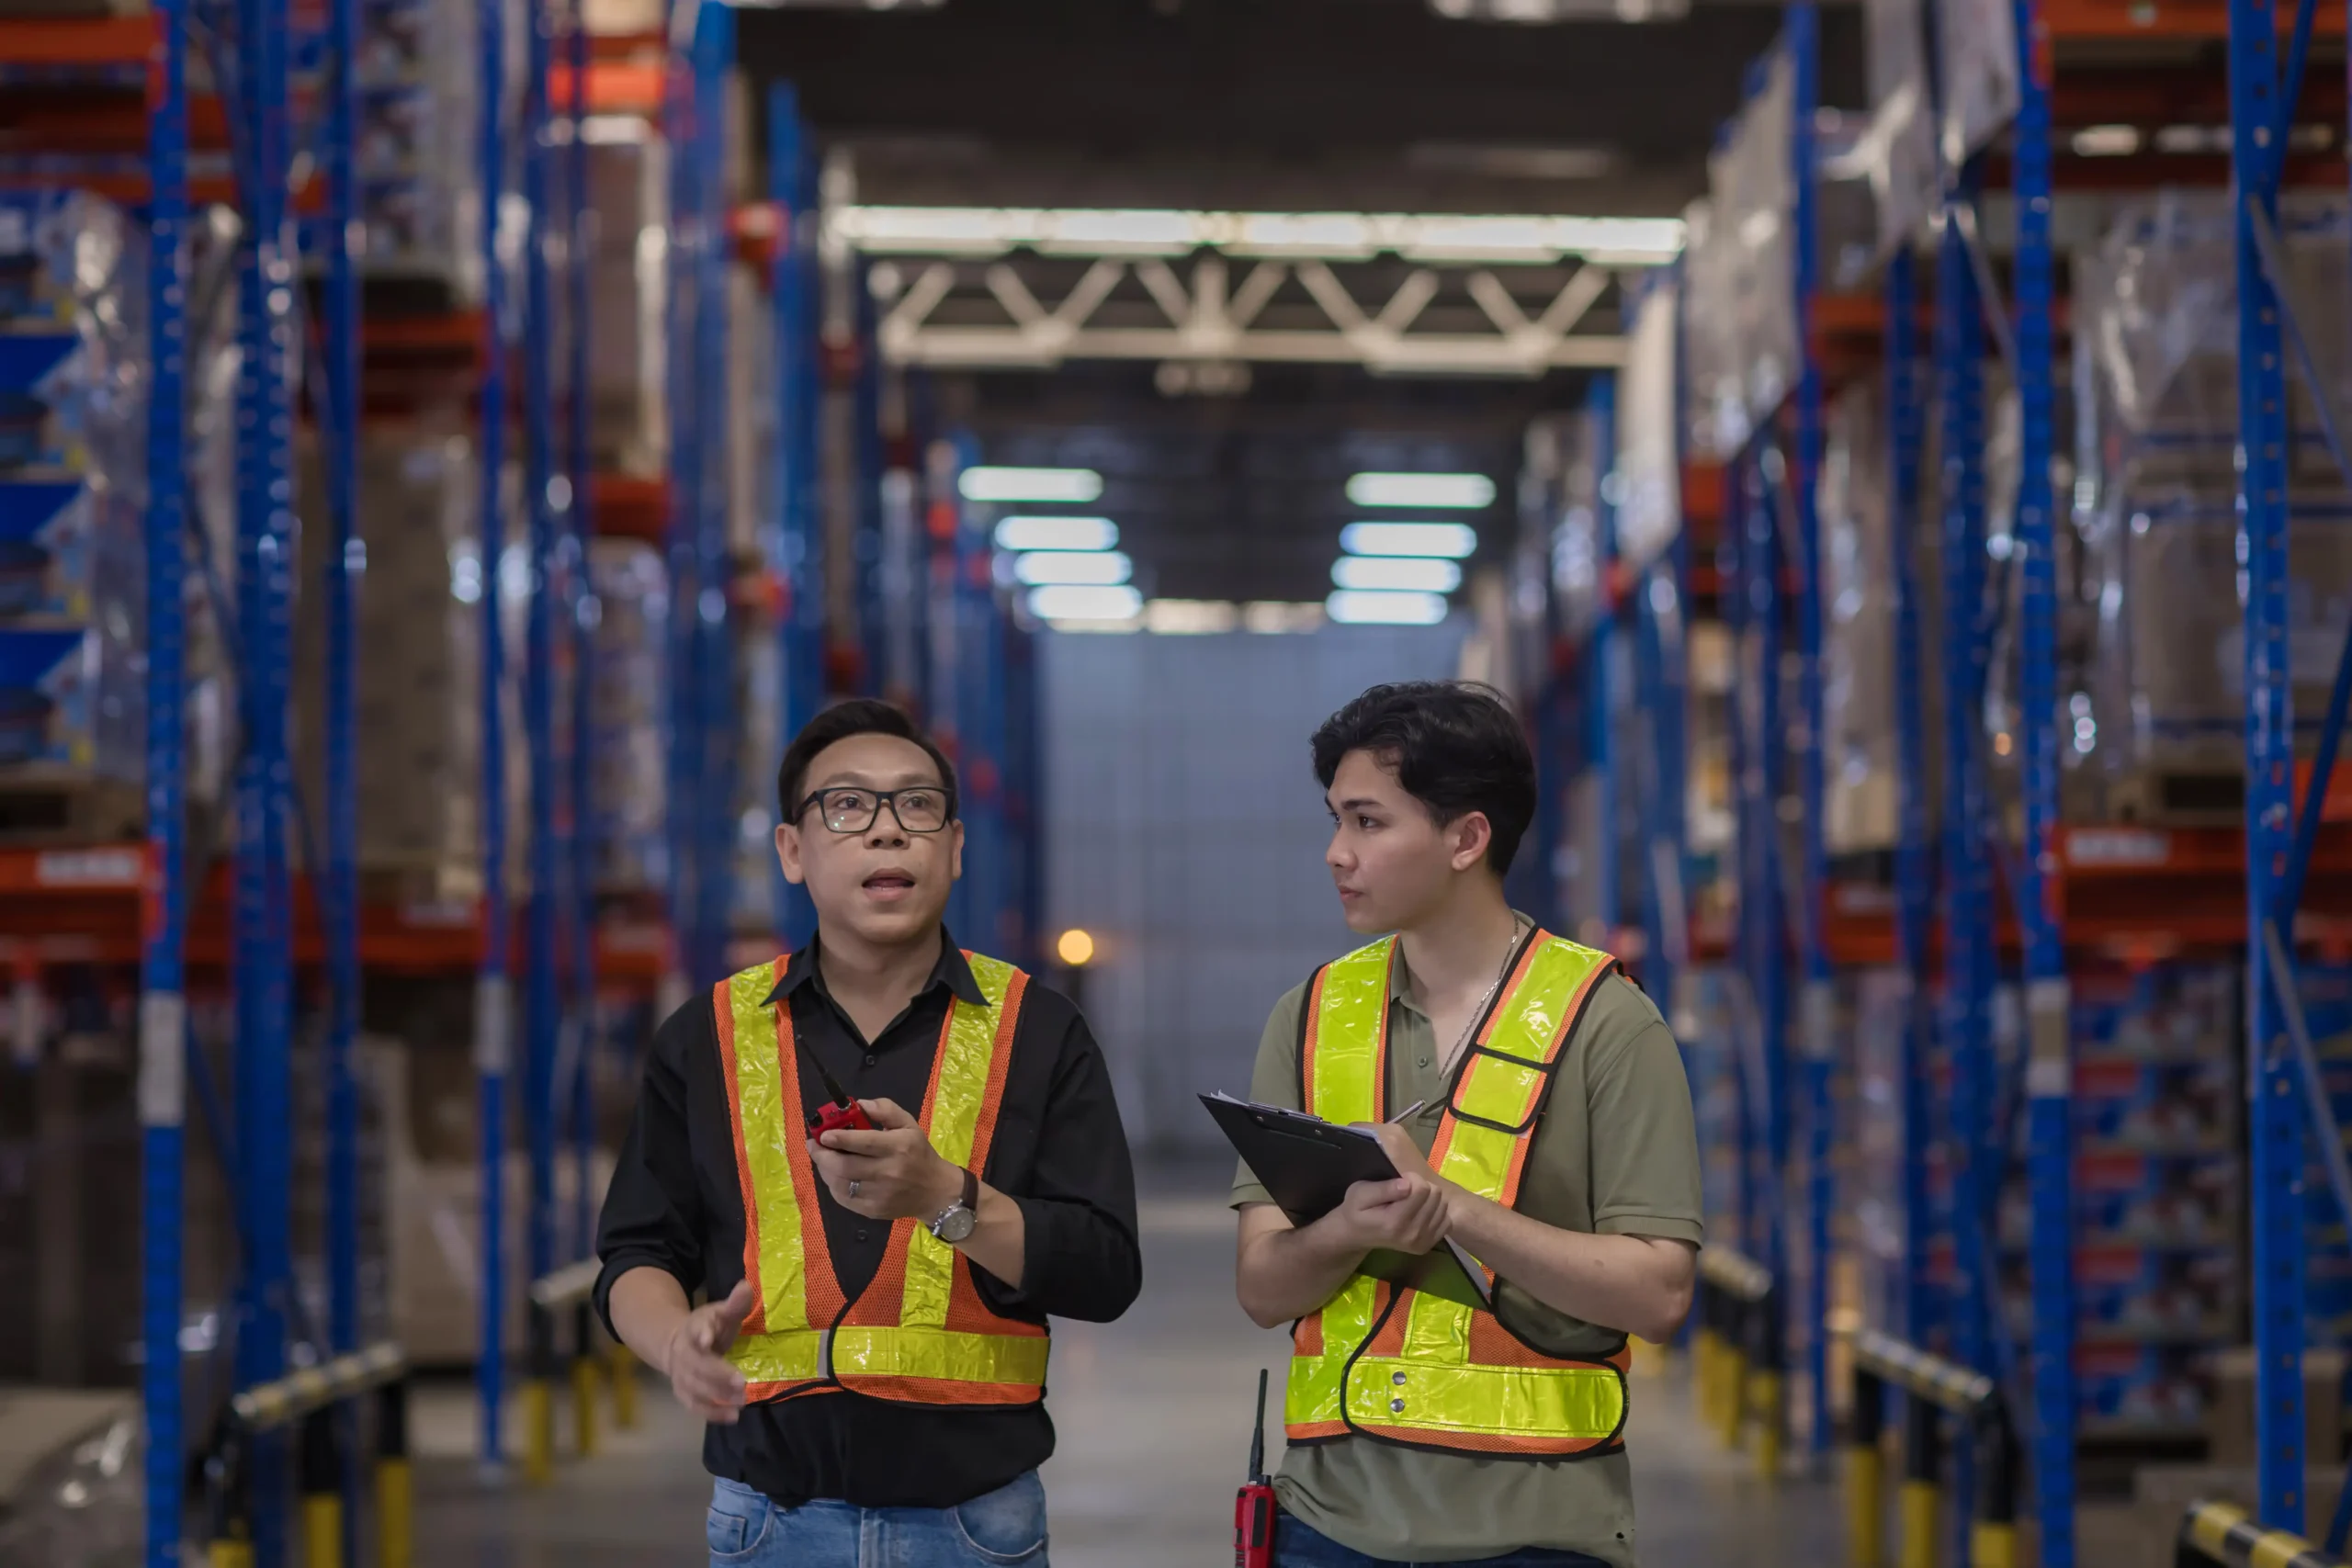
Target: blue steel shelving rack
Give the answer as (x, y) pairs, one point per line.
(792, 186)
(162, 1009)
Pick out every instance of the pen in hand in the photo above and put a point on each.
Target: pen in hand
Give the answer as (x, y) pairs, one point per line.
(1408, 1111)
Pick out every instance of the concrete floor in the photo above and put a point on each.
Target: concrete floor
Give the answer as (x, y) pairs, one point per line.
(1153, 1417)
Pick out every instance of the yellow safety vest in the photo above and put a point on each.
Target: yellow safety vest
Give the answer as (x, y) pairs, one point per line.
(920, 1332)
(1418, 1369)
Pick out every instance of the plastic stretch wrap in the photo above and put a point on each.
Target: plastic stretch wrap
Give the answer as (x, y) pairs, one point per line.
(2156, 508)
(73, 380)
(1977, 44)
(628, 191)
(1858, 632)
(625, 809)
(418, 704)
(1898, 151)
(1715, 405)
(418, 139)
(1649, 473)
(1753, 187)
(1579, 553)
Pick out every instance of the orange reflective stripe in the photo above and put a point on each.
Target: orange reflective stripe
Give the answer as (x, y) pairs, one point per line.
(824, 1290)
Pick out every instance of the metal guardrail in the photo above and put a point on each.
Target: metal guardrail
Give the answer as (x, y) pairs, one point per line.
(2213, 1533)
(268, 1406)
(319, 1400)
(1738, 1352)
(1939, 1389)
(573, 1288)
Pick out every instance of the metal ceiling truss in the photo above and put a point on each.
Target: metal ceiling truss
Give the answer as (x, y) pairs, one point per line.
(1208, 317)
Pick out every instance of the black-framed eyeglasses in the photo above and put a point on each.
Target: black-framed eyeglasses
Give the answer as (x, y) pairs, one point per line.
(920, 808)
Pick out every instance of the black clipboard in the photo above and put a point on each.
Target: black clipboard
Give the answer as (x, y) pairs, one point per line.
(1306, 1164)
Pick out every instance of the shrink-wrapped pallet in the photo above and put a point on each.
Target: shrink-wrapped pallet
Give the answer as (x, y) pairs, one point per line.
(2156, 376)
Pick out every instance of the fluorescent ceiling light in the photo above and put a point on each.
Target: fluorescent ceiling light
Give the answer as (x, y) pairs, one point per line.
(1071, 601)
(1089, 568)
(1353, 607)
(1415, 574)
(1275, 617)
(1057, 534)
(2106, 141)
(1465, 492)
(1331, 236)
(1537, 11)
(1077, 485)
(1191, 617)
(1450, 541)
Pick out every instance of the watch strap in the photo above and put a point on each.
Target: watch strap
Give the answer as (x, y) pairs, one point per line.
(972, 1191)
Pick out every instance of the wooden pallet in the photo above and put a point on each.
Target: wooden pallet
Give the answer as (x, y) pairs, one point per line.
(2178, 797)
(45, 806)
(427, 882)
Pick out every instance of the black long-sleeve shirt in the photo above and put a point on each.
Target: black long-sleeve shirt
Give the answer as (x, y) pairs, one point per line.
(1059, 1151)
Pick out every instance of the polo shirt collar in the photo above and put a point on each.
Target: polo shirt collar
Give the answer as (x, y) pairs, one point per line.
(951, 971)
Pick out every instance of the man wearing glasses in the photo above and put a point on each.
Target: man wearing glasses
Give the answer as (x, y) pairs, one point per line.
(871, 1358)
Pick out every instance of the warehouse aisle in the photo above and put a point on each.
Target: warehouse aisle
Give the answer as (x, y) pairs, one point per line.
(1153, 1413)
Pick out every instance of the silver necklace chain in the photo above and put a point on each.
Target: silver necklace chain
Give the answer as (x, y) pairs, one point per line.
(1471, 1027)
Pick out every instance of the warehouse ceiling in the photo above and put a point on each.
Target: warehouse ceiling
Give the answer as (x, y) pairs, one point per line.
(1292, 105)
(1232, 488)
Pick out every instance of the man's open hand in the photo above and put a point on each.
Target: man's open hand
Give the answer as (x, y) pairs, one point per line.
(889, 1173)
(695, 1359)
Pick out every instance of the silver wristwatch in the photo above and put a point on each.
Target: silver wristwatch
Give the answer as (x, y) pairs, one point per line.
(955, 1222)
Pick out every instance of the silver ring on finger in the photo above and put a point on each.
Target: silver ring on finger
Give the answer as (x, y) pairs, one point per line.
(853, 1185)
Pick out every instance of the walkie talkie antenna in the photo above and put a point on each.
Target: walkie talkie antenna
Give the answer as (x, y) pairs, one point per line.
(1257, 1436)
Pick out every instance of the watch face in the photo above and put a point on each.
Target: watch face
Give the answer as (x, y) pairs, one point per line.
(955, 1223)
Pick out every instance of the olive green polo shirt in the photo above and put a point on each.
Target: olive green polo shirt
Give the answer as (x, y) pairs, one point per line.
(1616, 1153)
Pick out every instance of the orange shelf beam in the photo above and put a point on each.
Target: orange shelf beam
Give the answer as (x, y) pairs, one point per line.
(627, 507)
(59, 41)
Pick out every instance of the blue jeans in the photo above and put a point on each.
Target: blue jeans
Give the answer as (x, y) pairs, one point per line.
(1298, 1545)
(1006, 1526)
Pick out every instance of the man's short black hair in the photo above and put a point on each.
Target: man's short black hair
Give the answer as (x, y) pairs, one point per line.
(1455, 746)
(859, 716)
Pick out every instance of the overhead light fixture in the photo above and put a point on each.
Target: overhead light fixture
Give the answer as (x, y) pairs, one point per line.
(1072, 485)
(1540, 12)
(1273, 617)
(2106, 141)
(1448, 492)
(1501, 238)
(1356, 607)
(1411, 574)
(1448, 541)
(1191, 617)
(1087, 568)
(1072, 602)
(1024, 533)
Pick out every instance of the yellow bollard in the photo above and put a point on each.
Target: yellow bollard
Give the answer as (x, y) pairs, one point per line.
(395, 1493)
(1764, 1400)
(623, 1386)
(321, 1530)
(229, 1554)
(1649, 1360)
(538, 1432)
(1921, 1504)
(583, 1402)
(1731, 1393)
(1866, 1506)
(1992, 1545)
(321, 1480)
(395, 1499)
(1702, 1375)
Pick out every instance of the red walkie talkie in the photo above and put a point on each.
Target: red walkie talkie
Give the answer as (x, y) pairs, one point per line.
(843, 1111)
(1253, 1508)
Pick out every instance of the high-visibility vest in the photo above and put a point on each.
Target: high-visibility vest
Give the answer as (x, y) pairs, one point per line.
(1405, 1365)
(920, 1332)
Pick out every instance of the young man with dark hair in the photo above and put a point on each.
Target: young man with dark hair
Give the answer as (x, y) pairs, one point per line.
(872, 1356)
(1554, 1144)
